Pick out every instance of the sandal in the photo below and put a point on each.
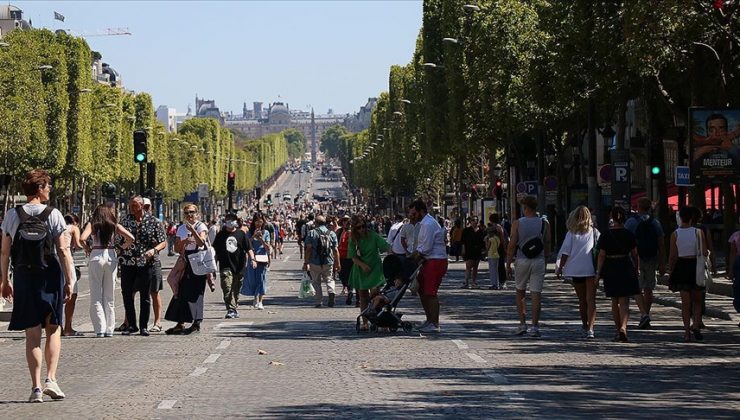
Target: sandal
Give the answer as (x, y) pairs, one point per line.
(73, 333)
(155, 328)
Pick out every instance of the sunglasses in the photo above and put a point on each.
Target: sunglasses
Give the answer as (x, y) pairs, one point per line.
(190, 212)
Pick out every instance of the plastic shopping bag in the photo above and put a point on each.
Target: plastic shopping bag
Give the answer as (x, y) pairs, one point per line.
(307, 289)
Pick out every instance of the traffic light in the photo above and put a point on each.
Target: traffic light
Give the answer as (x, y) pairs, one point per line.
(655, 170)
(269, 198)
(498, 189)
(474, 192)
(230, 181)
(151, 175)
(140, 152)
(258, 192)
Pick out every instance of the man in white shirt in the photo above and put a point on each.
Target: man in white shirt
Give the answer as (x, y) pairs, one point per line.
(394, 236)
(430, 247)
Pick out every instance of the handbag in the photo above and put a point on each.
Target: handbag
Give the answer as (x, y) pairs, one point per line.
(261, 258)
(534, 247)
(203, 261)
(703, 269)
(306, 289)
(175, 275)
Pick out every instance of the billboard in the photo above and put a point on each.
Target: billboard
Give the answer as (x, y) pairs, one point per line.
(714, 143)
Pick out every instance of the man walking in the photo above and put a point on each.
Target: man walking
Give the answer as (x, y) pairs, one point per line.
(394, 237)
(139, 264)
(530, 242)
(651, 252)
(430, 248)
(232, 247)
(321, 255)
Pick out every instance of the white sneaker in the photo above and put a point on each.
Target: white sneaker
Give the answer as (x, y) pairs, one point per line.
(260, 306)
(429, 328)
(255, 304)
(51, 388)
(536, 331)
(590, 335)
(36, 396)
(522, 329)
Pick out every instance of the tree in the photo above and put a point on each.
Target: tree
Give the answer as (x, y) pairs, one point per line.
(331, 140)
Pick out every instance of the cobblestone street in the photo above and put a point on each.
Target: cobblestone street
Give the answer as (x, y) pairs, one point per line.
(317, 365)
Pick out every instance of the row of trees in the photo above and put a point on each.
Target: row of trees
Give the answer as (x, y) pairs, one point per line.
(54, 115)
(520, 79)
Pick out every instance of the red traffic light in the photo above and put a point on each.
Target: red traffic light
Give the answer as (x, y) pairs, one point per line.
(232, 175)
(499, 183)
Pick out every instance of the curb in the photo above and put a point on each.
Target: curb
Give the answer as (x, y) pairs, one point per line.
(710, 311)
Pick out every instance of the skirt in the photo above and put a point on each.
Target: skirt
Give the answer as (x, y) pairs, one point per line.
(683, 277)
(187, 305)
(36, 295)
(255, 280)
(620, 279)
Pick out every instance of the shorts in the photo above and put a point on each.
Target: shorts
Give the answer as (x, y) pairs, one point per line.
(647, 277)
(530, 271)
(156, 284)
(430, 276)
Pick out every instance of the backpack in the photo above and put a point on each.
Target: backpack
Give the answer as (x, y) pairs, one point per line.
(323, 246)
(647, 238)
(534, 247)
(32, 245)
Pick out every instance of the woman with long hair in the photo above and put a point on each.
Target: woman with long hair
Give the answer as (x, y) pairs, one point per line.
(576, 262)
(187, 305)
(255, 278)
(365, 246)
(687, 243)
(618, 265)
(103, 266)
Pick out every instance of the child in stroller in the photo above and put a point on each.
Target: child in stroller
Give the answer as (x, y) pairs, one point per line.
(381, 313)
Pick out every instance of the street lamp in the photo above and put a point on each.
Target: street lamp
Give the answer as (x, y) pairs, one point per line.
(497, 170)
(398, 113)
(433, 66)
(86, 90)
(471, 8)
(406, 101)
(4, 44)
(44, 67)
(450, 40)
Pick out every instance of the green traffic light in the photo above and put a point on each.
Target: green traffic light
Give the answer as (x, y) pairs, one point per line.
(140, 157)
(655, 170)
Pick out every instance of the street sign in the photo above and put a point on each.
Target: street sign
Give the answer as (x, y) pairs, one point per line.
(551, 183)
(683, 176)
(202, 191)
(605, 174)
(75, 209)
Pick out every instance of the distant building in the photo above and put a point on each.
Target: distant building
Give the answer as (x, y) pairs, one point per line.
(168, 117)
(361, 120)
(279, 118)
(105, 74)
(11, 18)
(206, 108)
(257, 110)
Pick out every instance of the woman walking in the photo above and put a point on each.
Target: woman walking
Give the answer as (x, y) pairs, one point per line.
(365, 246)
(41, 283)
(187, 305)
(577, 263)
(687, 243)
(618, 265)
(103, 266)
(343, 235)
(473, 245)
(255, 278)
(456, 239)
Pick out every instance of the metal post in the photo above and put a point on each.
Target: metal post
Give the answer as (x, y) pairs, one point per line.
(142, 168)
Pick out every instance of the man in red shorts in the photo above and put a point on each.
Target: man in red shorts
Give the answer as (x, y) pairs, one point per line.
(429, 246)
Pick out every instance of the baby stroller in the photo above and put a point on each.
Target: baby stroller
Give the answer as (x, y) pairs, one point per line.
(381, 310)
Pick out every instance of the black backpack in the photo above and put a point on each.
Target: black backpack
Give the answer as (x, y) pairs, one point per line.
(647, 238)
(323, 248)
(33, 242)
(534, 247)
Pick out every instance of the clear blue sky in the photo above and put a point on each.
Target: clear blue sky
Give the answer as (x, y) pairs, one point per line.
(327, 54)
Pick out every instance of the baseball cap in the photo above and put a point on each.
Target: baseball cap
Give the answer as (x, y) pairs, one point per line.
(147, 202)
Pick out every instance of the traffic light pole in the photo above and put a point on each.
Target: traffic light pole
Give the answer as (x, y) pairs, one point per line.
(141, 177)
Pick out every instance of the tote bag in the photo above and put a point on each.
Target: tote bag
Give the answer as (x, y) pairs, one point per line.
(203, 261)
(703, 271)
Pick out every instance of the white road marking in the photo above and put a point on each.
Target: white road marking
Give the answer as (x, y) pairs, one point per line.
(166, 404)
(460, 344)
(198, 371)
(287, 258)
(474, 357)
(224, 344)
(498, 379)
(212, 358)
(233, 325)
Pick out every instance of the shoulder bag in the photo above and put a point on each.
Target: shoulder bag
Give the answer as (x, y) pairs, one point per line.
(203, 261)
(703, 270)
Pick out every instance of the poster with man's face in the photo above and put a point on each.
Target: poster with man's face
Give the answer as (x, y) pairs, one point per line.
(714, 144)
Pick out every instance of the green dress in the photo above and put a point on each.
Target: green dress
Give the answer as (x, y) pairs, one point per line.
(370, 248)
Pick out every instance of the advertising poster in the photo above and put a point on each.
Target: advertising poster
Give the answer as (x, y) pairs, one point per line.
(714, 143)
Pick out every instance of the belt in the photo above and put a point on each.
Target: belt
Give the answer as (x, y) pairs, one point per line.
(103, 247)
(616, 256)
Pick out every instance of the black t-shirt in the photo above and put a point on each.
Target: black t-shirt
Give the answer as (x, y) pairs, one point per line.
(473, 241)
(617, 242)
(298, 225)
(231, 250)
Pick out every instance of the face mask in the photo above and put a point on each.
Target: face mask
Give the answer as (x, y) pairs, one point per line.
(231, 224)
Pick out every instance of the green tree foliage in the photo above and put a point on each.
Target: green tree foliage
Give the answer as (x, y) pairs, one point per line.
(296, 143)
(331, 140)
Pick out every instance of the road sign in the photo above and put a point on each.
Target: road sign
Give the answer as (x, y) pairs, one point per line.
(605, 174)
(526, 188)
(202, 191)
(75, 209)
(683, 176)
(551, 183)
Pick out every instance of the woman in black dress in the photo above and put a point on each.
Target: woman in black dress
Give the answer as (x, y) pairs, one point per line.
(473, 245)
(187, 305)
(618, 265)
(686, 244)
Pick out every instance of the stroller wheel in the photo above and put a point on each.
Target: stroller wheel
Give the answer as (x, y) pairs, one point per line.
(407, 326)
(373, 327)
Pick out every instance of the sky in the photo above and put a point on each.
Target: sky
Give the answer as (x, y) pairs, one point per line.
(320, 54)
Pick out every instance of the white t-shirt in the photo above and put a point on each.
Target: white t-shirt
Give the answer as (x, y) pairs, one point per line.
(578, 248)
(56, 222)
(212, 231)
(185, 235)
